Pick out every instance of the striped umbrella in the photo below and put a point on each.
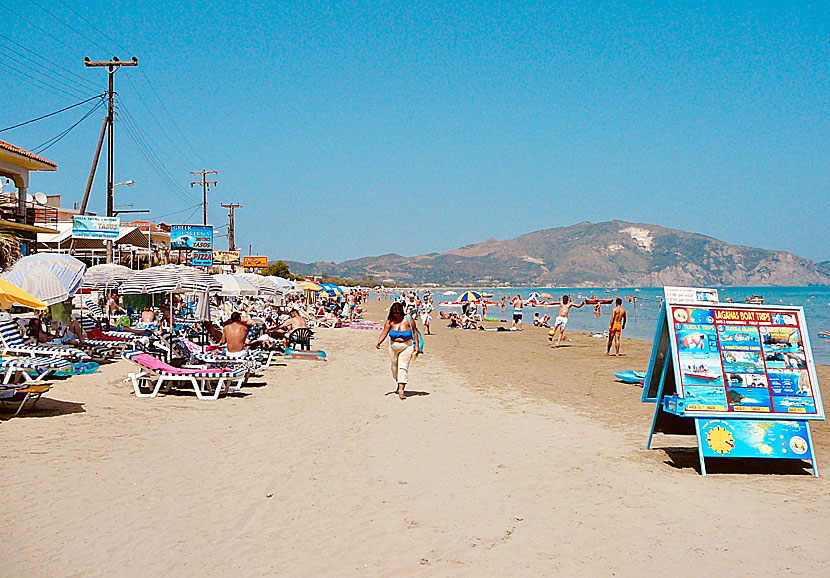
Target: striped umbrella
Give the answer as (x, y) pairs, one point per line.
(49, 277)
(468, 296)
(170, 279)
(262, 282)
(235, 285)
(107, 276)
(332, 289)
(286, 285)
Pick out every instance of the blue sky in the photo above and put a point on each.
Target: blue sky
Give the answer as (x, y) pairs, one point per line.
(349, 129)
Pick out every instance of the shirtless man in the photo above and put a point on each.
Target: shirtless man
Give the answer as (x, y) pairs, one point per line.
(615, 327)
(562, 319)
(148, 316)
(517, 304)
(233, 336)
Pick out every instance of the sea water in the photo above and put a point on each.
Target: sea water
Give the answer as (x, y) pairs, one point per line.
(642, 315)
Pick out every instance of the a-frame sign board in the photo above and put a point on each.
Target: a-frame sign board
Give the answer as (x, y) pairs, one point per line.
(741, 378)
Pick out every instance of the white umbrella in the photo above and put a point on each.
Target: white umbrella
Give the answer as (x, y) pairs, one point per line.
(263, 283)
(235, 285)
(108, 276)
(287, 286)
(50, 277)
(170, 279)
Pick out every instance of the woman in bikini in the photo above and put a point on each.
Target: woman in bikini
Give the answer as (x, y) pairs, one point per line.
(401, 330)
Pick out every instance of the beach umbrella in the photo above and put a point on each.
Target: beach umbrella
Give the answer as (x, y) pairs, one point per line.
(286, 285)
(534, 296)
(546, 295)
(170, 279)
(263, 283)
(235, 285)
(11, 294)
(332, 289)
(107, 276)
(49, 277)
(310, 286)
(468, 296)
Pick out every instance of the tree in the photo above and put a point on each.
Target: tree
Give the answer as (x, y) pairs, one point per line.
(278, 269)
(9, 249)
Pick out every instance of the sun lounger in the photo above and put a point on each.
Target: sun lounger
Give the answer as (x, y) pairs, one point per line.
(12, 367)
(256, 360)
(12, 342)
(21, 394)
(206, 383)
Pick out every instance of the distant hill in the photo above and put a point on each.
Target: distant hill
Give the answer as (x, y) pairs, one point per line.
(613, 253)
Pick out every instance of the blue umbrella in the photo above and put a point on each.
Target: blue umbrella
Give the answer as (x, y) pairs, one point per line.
(468, 296)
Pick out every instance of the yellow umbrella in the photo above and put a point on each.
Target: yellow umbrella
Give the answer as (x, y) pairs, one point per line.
(11, 294)
(309, 286)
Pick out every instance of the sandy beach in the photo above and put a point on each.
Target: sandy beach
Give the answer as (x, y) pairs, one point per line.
(507, 458)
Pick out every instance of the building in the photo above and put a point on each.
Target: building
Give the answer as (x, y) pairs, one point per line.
(22, 216)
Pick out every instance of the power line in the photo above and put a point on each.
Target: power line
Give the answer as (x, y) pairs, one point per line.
(75, 94)
(101, 32)
(68, 26)
(52, 113)
(54, 140)
(158, 123)
(35, 26)
(46, 63)
(196, 206)
(137, 136)
(137, 91)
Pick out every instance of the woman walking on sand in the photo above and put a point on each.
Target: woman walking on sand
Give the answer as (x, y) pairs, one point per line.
(403, 334)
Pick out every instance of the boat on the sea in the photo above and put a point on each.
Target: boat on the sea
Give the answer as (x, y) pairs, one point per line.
(594, 300)
(755, 300)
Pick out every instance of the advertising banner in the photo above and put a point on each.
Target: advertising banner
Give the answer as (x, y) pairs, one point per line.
(258, 261)
(226, 257)
(752, 438)
(201, 258)
(192, 238)
(743, 360)
(86, 227)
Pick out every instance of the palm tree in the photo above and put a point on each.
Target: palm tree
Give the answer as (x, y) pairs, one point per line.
(9, 249)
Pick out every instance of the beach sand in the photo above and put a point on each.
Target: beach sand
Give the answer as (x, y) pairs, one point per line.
(508, 458)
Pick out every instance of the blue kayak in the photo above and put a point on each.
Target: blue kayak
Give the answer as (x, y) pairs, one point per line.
(630, 376)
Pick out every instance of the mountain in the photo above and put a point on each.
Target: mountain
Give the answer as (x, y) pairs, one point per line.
(613, 253)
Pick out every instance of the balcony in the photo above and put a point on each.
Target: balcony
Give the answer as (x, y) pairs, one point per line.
(38, 215)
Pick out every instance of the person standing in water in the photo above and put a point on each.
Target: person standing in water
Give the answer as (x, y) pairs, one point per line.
(403, 334)
(615, 327)
(517, 304)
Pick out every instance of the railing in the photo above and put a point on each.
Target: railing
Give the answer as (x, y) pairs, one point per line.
(38, 214)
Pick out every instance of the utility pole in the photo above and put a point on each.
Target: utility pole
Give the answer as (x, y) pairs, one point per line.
(112, 66)
(205, 187)
(231, 229)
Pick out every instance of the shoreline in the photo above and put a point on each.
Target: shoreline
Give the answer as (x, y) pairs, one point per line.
(507, 457)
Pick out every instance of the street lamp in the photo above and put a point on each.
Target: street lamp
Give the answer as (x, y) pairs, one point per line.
(114, 213)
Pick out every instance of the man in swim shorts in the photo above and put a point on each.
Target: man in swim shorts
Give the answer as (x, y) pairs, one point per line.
(517, 304)
(562, 319)
(615, 327)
